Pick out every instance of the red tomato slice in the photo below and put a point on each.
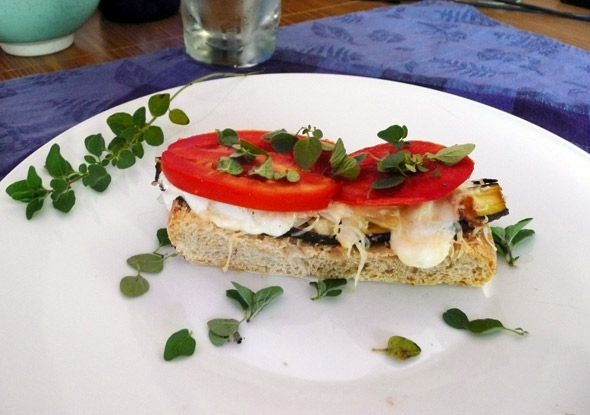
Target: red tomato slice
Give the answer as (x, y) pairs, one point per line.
(417, 188)
(191, 165)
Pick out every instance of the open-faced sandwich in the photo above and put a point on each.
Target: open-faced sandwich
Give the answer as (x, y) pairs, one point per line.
(295, 204)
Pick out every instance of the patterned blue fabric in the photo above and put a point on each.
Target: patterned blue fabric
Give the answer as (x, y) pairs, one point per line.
(437, 44)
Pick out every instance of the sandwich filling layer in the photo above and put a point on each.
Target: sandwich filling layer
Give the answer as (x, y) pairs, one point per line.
(421, 235)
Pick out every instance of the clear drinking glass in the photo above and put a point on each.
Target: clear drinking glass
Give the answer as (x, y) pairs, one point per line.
(238, 33)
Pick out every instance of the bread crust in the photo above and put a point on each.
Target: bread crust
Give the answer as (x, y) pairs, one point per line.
(472, 262)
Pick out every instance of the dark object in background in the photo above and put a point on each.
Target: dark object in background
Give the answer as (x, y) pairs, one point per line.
(579, 3)
(137, 11)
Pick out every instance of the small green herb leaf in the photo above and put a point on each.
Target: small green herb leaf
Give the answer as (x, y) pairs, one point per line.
(126, 159)
(159, 104)
(265, 170)
(134, 286)
(139, 117)
(506, 239)
(179, 344)
(178, 117)
(282, 141)
(154, 135)
(453, 154)
(484, 326)
(163, 239)
(63, 200)
(342, 164)
(224, 330)
(97, 178)
(55, 164)
(328, 287)
(150, 263)
(95, 144)
(229, 165)
(394, 135)
(227, 137)
(455, 318)
(119, 122)
(307, 151)
(400, 348)
(387, 182)
(262, 298)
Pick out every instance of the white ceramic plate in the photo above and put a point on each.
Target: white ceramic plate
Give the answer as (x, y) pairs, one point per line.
(70, 343)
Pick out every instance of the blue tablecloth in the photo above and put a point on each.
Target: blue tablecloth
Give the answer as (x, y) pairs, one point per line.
(437, 44)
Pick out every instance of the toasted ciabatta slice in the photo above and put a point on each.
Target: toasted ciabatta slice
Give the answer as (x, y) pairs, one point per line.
(472, 260)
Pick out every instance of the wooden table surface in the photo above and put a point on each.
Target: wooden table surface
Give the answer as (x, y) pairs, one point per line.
(100, 40)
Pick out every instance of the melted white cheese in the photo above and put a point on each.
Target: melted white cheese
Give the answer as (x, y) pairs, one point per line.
(235, 218)
(425, 233)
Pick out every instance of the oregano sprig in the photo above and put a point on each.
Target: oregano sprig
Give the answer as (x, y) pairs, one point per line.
(506, 239)
(224, 330)
(131, 132)
(150, 263)
(457, 319)
(400, 164)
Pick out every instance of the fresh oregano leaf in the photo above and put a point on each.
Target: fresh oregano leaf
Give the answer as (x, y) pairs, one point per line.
(64, 201)
(178, 117)
(158, 104)
(455, 318)
(453, 154)
(33, 179)
(138, 150)
(282, 141)
(139, 117)
(484, 326)
(163, 238)
(134, 286)
(20, 191)
(224, 330)
(342, 164)
(33, 206)
(265, 170)
(292, 176)
(245, 293)
(126, 159)
(55, 164)
(394, 135)
(59, 185)
(262, 298)
(400, 348)
(181, 343)
(120, 121)
(249, 150)
(98, 178)
(227, 137)
(388, 182)
(307, 151)
(154, 136)
(328, 287)
(150, 263)
(229, 165)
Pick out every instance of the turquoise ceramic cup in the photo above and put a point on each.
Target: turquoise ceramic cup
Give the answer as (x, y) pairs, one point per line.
(39, 27)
